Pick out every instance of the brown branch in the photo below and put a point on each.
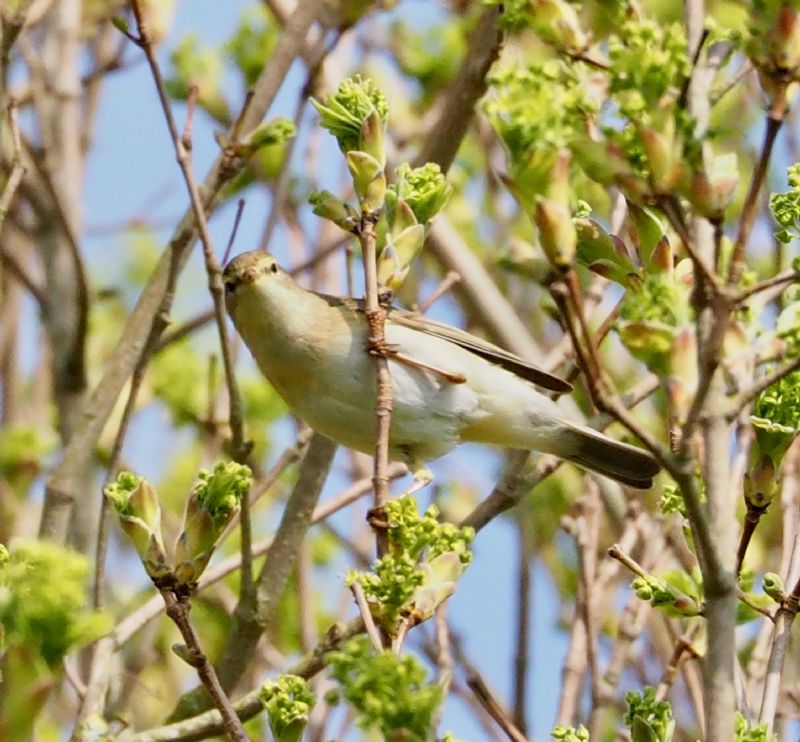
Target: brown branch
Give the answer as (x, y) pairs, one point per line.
(450, 279)
(441, 143)
(775, 118)
(17, 169)
(369, 623)
(209, 723)
(493, 707)
(178, 611)
(375, 314)
(523, 619)
(786, 277)
(784, 618)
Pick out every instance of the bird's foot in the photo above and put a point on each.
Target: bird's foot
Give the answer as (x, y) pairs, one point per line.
(376, 517)
(381, 349)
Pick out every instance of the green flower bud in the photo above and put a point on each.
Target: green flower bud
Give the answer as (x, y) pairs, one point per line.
(439, 583)
(399, 214)
(773, 586)
(329, 206)
(267, 134)
(424, 189)
(711, 189)
(761, 481)
(136, 504)
(664, 149)
(214, 502)
(369, 180)
(641, 586)
(288, 703)
(649, 341)
(683, 378)
(557, 233)
(344, 113)
(181, 651)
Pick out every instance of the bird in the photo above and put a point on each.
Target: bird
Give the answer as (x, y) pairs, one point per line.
(449, 386)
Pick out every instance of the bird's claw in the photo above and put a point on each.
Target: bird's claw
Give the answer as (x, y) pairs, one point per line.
(377, 519)
(382, 348)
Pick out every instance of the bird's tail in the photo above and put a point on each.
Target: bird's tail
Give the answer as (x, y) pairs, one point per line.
(599, 453)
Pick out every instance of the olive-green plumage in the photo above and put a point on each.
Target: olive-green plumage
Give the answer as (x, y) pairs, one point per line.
(312, 348)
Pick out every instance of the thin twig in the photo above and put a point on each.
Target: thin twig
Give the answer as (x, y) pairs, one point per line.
(375, 314)
(451, 278)
(766, 381)
(209, 723)
(786, 277)
(178, 611)
(493, 707)
(363, 607)
(17, 168)
(775, 118)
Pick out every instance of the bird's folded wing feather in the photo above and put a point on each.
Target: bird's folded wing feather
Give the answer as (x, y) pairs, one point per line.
(466, 340)
(482, 348)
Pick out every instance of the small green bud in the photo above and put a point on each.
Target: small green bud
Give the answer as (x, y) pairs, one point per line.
(570, 734)
(214, 502)
(711, 188)
(664, 149)
(557, 231)
(760, 481)
(183, 652)
(683, 377)
(439, 583)
(369, 180)
(136, 504)
(424, 189)
(288, 702)
(329, 206)
(773, 586)
(267, 134)
(641, 586)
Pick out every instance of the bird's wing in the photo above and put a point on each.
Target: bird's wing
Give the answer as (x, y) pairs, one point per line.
(482, 348)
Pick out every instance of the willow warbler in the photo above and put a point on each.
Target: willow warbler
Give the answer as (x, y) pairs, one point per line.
(312, 348)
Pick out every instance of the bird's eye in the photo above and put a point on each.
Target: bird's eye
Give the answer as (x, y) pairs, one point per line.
(274, 267)
(230, 287)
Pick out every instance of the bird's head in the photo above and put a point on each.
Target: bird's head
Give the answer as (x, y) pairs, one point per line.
(250, 273)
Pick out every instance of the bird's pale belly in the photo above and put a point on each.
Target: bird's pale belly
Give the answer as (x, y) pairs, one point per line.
(428, 413)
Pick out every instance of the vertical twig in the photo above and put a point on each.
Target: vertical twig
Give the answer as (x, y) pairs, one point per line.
(376, 343)
(17, 168)
(524, 618)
